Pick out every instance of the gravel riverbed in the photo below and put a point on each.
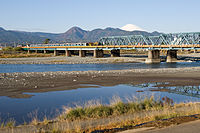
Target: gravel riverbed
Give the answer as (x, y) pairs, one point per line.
(68, 60)
(15, 84)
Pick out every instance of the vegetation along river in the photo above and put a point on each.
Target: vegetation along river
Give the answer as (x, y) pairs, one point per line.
(50, 104)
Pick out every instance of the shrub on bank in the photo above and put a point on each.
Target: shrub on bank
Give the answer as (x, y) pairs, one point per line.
(119, 108)
(12, 49)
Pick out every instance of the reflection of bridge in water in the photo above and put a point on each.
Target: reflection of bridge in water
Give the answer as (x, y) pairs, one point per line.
(193, 91)
(169, 42)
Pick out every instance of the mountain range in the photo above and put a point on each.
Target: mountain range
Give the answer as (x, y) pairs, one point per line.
(75, 34)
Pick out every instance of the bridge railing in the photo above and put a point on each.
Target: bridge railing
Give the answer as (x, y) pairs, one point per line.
(57, 44)
(192, 38)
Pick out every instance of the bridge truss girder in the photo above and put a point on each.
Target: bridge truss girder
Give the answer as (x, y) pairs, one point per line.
(163, 39)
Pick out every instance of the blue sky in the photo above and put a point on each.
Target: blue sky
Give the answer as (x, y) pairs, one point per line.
(58, 16)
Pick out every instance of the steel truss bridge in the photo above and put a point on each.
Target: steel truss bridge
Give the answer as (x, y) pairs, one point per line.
(176, 41)
(163, 41)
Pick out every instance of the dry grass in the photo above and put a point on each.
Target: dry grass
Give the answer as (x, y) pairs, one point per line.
(93, 115)
(118, 114)
(8, 124)
(115, 108)
(24, 55)
(56, 61)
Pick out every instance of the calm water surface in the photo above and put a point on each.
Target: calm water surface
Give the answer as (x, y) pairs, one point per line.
(10, 68)
(50, 103)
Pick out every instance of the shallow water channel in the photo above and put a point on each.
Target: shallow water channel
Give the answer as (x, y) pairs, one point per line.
(50, 104)
(10, 68)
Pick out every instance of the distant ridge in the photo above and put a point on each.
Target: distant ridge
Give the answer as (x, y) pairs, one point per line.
(2, 29)
(74, 34)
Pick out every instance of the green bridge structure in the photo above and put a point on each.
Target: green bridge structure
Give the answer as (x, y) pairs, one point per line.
(171, 42)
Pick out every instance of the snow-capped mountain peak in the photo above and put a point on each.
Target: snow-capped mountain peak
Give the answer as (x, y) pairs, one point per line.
(131, 27)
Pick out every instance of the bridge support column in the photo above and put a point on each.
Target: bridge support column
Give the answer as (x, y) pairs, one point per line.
(55, 52)
(45, 51)
(28, 52)
(153, 56)
(115, 53)
(171, 56)
(36, 51)
(82, 53)
(68, 53)
(98, 53)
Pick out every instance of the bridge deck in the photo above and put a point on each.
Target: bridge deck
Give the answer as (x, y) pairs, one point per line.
(110, 47)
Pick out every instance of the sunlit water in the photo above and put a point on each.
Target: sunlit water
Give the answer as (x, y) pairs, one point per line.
(50, 103)
(10, 68)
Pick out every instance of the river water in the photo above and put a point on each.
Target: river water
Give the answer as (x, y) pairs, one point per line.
(10, 68)
(51, 103)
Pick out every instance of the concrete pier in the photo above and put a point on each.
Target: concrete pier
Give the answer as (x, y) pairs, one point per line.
(153, 56)
(171, 56)
(36, 51)
(55, 52)
(28, 52)
(68, 53)
(98, 53)
(82, 53)
(45, 51)
(115, 53)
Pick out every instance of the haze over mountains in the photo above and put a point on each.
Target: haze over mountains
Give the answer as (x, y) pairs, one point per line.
(75, 34)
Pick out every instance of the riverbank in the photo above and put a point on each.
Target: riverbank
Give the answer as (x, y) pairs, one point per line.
(18, 85)
(125, 58)
(71, 60)
(148, 113)
(15, 84)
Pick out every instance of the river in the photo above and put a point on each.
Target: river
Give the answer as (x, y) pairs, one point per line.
(50, 104)
(10, 68)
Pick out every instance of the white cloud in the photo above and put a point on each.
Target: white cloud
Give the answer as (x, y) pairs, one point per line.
(131, 27)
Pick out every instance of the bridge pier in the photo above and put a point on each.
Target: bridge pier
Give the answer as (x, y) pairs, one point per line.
(28, 51)
(68, 53)
(171, 56)
(115, 53)
(36, 51)
(55, 52)
(45, 51)
(82, 53)
(153, 56)
(98, 53)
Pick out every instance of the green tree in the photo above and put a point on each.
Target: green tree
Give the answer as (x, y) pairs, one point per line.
(17, 48)
(46, 41)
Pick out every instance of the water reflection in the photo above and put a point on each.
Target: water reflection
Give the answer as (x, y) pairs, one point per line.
(151, 84)
(193, 91)
(49, 103)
